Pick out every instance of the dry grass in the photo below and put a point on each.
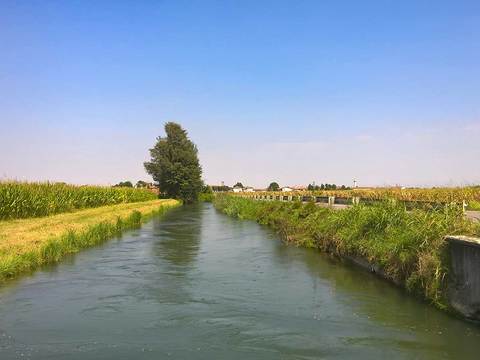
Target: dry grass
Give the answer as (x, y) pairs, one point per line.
(23, 241)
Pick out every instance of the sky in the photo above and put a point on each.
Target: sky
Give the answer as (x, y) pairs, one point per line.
(384, 92)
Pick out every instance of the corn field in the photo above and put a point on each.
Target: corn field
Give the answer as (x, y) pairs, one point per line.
(471, 195)
(25, 200)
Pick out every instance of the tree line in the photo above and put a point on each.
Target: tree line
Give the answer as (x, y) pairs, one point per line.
(139, 184)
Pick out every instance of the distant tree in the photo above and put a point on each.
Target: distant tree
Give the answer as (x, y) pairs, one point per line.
(238, 184)
(331, 187)
(273, 186)
(124, 184)
(141, 184)
(174, 165)
(217, 188)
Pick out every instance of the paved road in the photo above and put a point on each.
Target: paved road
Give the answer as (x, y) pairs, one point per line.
(473, 215)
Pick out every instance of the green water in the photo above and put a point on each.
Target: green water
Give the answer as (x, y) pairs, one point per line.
(197, 284)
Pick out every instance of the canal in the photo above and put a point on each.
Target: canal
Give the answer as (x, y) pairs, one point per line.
(196, 284)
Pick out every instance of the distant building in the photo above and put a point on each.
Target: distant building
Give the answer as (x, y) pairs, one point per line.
(153, 188)
(237, 189)
(286, 189)
(248, 189)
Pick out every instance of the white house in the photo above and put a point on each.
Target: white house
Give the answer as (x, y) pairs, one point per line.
(286, 189)
(248, 189)
(237, 189)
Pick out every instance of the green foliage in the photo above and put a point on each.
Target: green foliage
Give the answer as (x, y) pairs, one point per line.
(273, 186)
(141, 184)
(312, 187)
(408, 246)
(238, 185)
(206, 195)
(25, 200)
(474, 205)
(207, 189)
(221, 188)
(174, 165)
(124, 184)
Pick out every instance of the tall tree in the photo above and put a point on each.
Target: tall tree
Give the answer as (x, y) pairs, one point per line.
(174, 165)
(273, 186)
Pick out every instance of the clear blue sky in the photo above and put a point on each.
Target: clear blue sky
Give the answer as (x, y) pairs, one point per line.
(386, 92)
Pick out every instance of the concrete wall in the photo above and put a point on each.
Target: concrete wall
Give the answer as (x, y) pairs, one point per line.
(464, 275)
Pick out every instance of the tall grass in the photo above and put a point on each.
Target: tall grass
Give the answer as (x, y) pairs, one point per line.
(407, 247)
(25, 200)
(206, 197)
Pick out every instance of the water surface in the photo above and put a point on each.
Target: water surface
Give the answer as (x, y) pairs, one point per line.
(196, 284)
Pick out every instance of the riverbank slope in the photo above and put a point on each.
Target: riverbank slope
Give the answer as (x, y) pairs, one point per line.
(406, 247)
(26, 244)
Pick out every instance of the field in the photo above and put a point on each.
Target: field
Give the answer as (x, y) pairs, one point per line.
(28, 243)
(471, 195)
(408, 246)
(24, 200)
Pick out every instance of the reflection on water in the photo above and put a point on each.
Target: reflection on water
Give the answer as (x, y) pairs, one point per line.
(178, 237)
(196, 284)
(175, 249)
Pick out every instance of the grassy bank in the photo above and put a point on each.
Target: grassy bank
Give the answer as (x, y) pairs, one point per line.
(206, 197)
(407, 247)
(25, 200)
(25, 244)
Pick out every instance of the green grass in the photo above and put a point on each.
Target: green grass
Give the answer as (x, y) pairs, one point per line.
(26, 244)
(24, 200)
(206, 197)
(407, 245)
